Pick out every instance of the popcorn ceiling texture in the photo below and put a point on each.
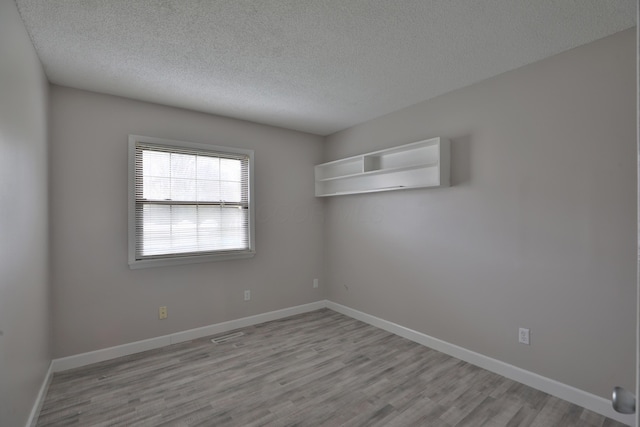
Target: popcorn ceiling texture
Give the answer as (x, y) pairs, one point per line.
(313, 65)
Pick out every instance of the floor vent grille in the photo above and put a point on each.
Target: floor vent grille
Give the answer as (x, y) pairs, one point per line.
(225, 338)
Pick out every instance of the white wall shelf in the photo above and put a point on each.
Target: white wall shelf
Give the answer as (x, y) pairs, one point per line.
(419, 164)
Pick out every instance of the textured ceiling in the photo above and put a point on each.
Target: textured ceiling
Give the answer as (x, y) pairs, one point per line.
(313, 65)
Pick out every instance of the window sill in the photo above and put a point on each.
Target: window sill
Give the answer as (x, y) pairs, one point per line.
(147, 263)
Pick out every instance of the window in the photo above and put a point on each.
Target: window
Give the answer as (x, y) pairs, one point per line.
(188, 202)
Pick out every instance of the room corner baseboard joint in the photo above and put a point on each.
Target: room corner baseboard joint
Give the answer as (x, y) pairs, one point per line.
(571, 394)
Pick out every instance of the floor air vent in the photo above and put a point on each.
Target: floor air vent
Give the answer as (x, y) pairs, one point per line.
(225, 338)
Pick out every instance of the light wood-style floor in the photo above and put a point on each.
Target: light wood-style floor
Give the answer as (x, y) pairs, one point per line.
(315, 369)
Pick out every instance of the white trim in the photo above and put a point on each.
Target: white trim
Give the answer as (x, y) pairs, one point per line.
(101, 355)
(165, 262)
(131, 205)
(219, 328)
(84, 359)
(37, 405)
(571, 394)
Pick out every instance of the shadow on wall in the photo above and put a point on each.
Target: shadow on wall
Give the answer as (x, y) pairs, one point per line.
(460, 160)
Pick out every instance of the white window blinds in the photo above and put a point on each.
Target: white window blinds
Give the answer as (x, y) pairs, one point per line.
(190, 202)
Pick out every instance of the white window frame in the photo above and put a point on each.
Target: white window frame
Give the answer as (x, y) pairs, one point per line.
(135, 263)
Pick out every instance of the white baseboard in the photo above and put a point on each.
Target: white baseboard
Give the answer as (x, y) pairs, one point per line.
(37, 406)
(88, 358)
(571, 394)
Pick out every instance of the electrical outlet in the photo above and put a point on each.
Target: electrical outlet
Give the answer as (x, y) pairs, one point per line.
(315, 283)
(247, 295)
(523, 336)
(162, 312)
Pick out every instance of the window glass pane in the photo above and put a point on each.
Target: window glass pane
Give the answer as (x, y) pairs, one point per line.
(209, 223)
(208, 168)
(231, 191)
(183, 189)
(155, 188)
(181, 229)
(155, 163)
(183, 166)
(208, 191)
(230, 170)
(235, 236)
(156, 167)
(184, 229)
(156, 229)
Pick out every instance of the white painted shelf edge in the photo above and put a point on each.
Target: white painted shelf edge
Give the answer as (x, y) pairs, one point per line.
(375, 190)
(415, 165)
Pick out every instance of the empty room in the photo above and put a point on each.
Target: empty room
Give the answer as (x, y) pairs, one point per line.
(318, 213)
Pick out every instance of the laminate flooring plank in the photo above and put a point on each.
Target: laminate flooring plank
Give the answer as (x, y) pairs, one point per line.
(315, 369)
(524, 417)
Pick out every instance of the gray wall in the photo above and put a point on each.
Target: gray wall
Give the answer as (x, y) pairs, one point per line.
(537, 231)
(24, 241)
(98, 301)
